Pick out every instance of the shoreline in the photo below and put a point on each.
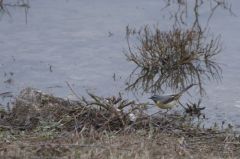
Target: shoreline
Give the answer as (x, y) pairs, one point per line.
(43, 126)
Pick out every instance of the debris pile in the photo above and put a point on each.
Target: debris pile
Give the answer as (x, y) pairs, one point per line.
(33, 108)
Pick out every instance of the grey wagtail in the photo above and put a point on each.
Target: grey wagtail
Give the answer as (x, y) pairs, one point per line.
(168, 101)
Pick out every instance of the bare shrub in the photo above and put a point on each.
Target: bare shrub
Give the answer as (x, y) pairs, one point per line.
(5, 7)
(172, 59)
(183, 9)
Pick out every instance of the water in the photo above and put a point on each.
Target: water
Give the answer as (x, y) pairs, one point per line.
(82, 42)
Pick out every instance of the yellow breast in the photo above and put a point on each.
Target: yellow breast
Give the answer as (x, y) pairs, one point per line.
(165, 106)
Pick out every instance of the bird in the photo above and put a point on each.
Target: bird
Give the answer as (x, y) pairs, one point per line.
(168, 101)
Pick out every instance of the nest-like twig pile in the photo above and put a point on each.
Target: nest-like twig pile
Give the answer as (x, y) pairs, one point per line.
(33, 108)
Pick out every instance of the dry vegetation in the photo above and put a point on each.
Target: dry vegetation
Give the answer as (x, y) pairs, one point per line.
(181, 10)
(6, 6)
(180, 56)
(43, 126)
(171, 59)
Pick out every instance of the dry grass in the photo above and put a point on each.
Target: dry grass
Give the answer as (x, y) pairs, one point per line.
(43, 126)
(140, 145)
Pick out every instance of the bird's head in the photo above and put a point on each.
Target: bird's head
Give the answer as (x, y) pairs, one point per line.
(154, 98)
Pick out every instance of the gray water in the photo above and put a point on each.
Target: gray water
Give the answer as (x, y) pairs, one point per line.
(82, 42)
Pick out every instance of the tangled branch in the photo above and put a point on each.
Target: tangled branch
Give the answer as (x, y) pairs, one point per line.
(174, 59)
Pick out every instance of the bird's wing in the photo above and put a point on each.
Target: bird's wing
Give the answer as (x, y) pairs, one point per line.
(167, 99)
(178, 95)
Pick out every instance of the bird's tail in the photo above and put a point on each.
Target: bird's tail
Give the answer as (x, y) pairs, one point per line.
(184, 90)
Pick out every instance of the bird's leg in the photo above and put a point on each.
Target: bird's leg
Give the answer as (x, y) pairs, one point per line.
(165, 113)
